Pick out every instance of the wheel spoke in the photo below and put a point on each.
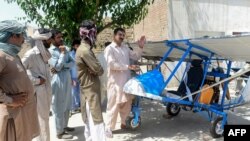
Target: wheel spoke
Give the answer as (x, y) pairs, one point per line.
(174, 108)
(218, 128)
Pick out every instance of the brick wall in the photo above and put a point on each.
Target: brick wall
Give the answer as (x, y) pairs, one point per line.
(107, 36)
(154, 26)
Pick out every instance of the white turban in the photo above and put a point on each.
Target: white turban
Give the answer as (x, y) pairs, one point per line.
(44, 36)
(39, 44)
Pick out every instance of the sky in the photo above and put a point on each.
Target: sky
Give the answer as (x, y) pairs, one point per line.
(11, 11)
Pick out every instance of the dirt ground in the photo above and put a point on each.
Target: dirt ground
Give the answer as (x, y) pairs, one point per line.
(187, 126)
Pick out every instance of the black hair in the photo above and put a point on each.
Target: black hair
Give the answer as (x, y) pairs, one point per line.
(55, 32)
(43, 30)
(130, 48)
(87, 24)
(18, 35)
(119, 29)
(107, 44)
(76, 42)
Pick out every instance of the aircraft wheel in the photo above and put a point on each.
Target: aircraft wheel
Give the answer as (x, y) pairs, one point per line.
(217, 129)
(132, 124)
(173, 109)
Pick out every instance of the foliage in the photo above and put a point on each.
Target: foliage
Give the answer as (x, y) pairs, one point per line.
(66, 15)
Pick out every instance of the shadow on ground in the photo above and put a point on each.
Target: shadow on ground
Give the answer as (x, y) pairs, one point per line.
(186, 126)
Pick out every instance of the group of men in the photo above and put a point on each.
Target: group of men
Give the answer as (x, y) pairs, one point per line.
(44, 78)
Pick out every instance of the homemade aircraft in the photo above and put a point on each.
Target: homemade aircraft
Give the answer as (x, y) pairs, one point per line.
(199, 88)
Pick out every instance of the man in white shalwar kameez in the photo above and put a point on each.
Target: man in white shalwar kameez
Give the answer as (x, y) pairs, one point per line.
(117, 56)
(61, 62)
(35, 62)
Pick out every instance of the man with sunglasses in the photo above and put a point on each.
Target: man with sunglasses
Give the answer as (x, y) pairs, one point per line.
(117, 56)
(18, 113)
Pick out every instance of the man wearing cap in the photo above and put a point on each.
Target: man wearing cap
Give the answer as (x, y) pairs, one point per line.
(89, 70)
(18, 113)
(35, 62)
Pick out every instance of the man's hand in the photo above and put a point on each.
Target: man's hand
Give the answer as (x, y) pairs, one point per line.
(53, 70)
(134, 67)
(18, 100)
(91, 72)
(42, 81)
(141, 42)
(62, 49)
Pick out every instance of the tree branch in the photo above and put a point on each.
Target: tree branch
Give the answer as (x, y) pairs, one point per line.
(104, 27)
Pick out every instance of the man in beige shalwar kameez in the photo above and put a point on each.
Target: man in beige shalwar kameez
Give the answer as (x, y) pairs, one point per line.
(89, 70)
(117, 56)
(18, 114)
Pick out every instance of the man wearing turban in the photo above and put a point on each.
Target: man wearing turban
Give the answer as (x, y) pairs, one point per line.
(89, 70)
(36, 63)
(18, 113)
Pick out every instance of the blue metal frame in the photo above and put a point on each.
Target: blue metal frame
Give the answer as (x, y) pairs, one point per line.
(217, 74)
(217, 109)
(188, 51)
(207, 62)
(165, 57)
(136, 110)
(184, 50)
(177, 67)
(226, 83)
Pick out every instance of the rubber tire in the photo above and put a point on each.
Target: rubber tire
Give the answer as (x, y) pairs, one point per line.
(130, 123)
(213, 128)
(169, 111)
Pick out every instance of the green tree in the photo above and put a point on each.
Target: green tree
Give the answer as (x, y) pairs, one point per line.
(66, 15)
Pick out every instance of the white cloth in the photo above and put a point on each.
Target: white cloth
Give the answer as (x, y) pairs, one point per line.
(38, 36)
(36, 67)
(118, 60)
(39, 44)
(245, 92)
(134, 87)
(103, 78)
(93, 132)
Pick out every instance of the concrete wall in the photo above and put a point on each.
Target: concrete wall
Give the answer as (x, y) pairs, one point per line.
(195, 18)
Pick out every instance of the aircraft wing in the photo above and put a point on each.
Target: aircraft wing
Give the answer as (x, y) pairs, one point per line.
(234, 48)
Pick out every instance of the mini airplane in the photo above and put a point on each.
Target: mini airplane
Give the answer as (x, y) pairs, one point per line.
(198, 90)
